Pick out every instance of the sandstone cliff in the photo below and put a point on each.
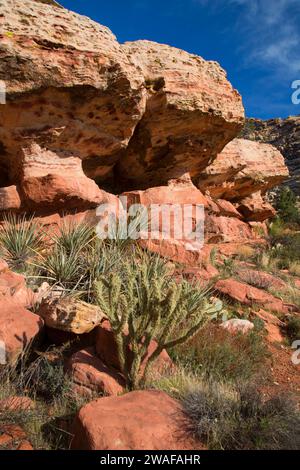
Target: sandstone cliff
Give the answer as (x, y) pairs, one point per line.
(85, 115)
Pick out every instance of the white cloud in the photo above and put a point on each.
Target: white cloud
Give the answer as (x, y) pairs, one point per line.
(269, 32)
(273, 33)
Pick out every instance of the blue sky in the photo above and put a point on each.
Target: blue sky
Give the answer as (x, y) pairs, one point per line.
(256, 41)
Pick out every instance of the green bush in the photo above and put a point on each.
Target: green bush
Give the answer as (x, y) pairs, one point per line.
(239, 418)
(286, 250)
(293, 328)
(143, 304)
(217, 354)
(286, 206)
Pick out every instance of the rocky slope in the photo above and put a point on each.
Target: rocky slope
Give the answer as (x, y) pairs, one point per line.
(284, 134)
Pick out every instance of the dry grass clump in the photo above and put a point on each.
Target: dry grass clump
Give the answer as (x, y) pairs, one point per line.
(216, 354)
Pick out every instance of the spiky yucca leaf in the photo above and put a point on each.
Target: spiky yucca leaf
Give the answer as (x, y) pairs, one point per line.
(20, 239)
(74, 237)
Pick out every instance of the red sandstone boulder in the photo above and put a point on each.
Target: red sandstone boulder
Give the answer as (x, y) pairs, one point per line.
(13, 437)
(244, 167)
(107, 350)
(55, 180)
(91, 376)
(227, 209)
(190, 253)
(248, 295)
(226, 229)
(143, 420)
(18, 328)
(13, 287)
(255, 208)
(172, 194)
(189, 101)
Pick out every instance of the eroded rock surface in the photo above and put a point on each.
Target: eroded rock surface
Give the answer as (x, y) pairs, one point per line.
(142, 420)
(244, 167)
(150, 110)
(284, 134)
(192, 112)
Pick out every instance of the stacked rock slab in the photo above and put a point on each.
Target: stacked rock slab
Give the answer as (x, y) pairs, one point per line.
(84, 113)
(144, 111)
(244, 167)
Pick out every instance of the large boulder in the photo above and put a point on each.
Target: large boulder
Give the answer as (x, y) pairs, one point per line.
(243, 168)
(192, 113)
(255, 208)
(142, 420)
(55, 180)
(70, 87)
(18, 328)
(226, 229)
(284, 134)
(70, 314)
(252, 296)
(76, 97)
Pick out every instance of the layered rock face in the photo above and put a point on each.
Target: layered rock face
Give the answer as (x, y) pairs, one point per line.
(70, 88)
(144, 111)
(84, 114)
(191, 113)
(284, 134)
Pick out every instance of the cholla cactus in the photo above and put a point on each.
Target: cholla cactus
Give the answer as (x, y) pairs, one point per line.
(143, 304)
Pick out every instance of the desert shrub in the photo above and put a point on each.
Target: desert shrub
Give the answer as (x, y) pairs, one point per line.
(43, 380)
(176, 383)
(217, 354)
(142, 304)
(239, 419)
(255, 279)
(294, 268)
(293, 328)
(20, 240)
(245, 252)
(290, 294)
(277, 228)
(287, 250)
(286, 205)
(61, 268)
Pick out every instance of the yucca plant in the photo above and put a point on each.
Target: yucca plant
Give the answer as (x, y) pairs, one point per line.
(61, 268)
(20, 240)
(143, 304)
(100, 259)
(78, 270)
(74, 237)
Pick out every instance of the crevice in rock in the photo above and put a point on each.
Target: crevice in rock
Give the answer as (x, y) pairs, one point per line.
(5, 176)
